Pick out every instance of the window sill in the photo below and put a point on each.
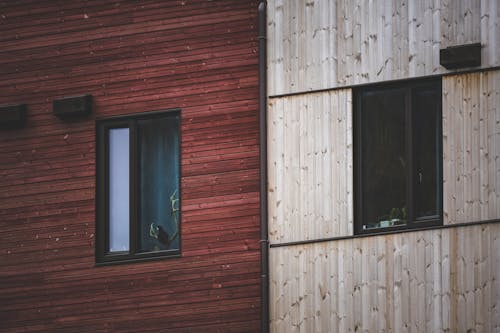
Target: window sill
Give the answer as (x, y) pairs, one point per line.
(136, 258)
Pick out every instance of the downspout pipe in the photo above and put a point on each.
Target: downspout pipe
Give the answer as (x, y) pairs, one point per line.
(264, 239)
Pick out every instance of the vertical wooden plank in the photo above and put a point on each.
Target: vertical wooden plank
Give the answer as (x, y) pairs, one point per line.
(317, 74)
(428, 40)
(275, 164)
(495, 278)
(466, 171)
(485, 298)
(448, 149)
(325, 160)
(308, 169)
(389, 282)
(284, 107)
(337, 176)
(492, 103)
(355, 66)
(490, 37)
(490, 107)
(348, 160)
(446, 281)
(470, 275)
(278, 61)
(369, 40)
(436, 36)
(484, 154)
(477, 292)
(446, 23)
(296, 268)
(412, 38)
(276, 295)
(286, 41)
(413, 307)
(463, 282)
(406, 282)
(326, 167)
(359, 310)
(296, 183)
(361, 42)
(341, 44)
(332, 313)
(345, 304)
(475, 155)
(398, 283)
(428, 282)
(364, 270)
(332, 55)
(272, 44)
(438, 264)
(298, 110)
(294, 49)
(304, 321)
(317, 181)
(387, 29)
(380, 304)
(459, 131)
(401, 49)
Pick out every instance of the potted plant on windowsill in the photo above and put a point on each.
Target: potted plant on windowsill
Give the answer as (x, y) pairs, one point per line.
(396, 216)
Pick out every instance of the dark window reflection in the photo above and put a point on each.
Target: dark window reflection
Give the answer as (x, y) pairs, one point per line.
(384, 158)
(425, 132)
(159, 184)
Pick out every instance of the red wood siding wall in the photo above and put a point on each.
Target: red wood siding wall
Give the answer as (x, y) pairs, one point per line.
(132, 56)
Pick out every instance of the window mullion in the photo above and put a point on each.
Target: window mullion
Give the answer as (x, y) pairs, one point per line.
(133, 187)
(410, 153)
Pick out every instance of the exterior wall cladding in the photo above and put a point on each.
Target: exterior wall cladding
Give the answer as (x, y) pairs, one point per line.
(132, 57)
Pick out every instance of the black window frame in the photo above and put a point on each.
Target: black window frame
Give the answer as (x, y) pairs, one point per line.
(102, 255)
(411, 223)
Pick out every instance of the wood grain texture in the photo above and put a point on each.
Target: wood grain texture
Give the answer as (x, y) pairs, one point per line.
(132, 57)
(310, 166)
(471, 149)
(426, 281)
(319, 44)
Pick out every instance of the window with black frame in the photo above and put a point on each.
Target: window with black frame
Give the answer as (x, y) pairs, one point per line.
(398, 159)
(138, 196)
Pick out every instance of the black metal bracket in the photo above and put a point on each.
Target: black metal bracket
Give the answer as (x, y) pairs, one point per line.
(460, 56)
(72, 107)
(12, 116)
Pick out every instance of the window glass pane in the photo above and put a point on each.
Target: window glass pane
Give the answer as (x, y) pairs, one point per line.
(159, 184)
(118, 189)
(383, 159)
(426, 134)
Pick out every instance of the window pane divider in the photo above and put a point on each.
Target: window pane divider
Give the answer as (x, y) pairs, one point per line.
(133, 187)
(410, 155)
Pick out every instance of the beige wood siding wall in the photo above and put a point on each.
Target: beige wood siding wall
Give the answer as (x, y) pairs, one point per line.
(310, 166)
(441, 280)
(430, 281)
(445, 280)
(310, 158)
(471, 147)
(318, 44)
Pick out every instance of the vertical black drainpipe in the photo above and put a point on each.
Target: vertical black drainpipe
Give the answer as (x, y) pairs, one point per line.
(264, 241)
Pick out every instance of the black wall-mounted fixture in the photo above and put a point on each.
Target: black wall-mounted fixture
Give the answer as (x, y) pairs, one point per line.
(460, 56)
(72, 107)
(12, 116)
